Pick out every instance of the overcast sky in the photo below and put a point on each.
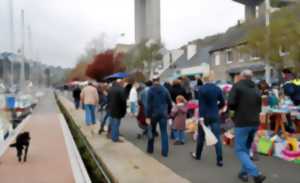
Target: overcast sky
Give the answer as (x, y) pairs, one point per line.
(62, 28)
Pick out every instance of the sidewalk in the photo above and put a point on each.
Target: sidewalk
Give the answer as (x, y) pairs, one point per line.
(123, 161)
(48, 160)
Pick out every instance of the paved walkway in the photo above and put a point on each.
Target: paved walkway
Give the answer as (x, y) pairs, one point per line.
(124, 162)
(48, 159)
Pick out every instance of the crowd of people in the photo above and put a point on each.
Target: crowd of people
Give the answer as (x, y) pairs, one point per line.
(169, 105)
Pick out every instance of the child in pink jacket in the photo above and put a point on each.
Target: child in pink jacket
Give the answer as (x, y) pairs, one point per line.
(179, 113)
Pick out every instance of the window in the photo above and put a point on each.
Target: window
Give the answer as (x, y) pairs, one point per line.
(283, 51)
(241, 57)
(217, 58)
(254, 55)
(229, 56)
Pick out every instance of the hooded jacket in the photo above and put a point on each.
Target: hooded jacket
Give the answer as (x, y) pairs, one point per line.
(245, 100)
(292, 89)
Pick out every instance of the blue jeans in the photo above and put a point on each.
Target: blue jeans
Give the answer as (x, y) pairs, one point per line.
(214, 124)
(77, 103)
(162, 121)
(133, 107)
(104, 120)
(179, 135)
(172, 134)
(115, 126)
(90, 116)
(243, 140)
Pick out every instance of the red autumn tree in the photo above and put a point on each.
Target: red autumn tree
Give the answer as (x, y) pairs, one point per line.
(105, 64)
(78, 73)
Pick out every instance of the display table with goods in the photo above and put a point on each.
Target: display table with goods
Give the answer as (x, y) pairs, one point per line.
(276, 141)
(282, 144)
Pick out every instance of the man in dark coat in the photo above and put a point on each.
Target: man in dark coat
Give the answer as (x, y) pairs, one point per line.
(245, 101)
(177, 90)
(158, 109)
(116, 107)
(76, 97)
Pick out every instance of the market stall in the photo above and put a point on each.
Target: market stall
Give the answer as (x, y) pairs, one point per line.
(273, 138)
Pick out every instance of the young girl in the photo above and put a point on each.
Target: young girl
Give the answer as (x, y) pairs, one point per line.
(179, 113)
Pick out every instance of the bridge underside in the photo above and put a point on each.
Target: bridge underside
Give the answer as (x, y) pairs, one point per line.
(249, 2)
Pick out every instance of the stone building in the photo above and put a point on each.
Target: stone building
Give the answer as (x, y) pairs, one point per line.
(227, 59)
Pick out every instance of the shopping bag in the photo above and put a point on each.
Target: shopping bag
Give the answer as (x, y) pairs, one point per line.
(210, 138)
(278, 149)
(265, 146)
(195, 135)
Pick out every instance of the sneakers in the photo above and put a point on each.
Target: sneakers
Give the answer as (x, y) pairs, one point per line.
(178, 143)
(243, 177)
(100, 131)
(220, 163)
(193, 155)
(259, 179)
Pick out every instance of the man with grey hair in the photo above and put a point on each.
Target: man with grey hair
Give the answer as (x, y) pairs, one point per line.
(245, 101)
(247, 74)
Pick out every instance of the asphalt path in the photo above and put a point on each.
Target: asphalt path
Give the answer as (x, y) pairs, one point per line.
(205, 170)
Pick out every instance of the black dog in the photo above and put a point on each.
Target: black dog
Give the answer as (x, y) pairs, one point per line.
(22, 143)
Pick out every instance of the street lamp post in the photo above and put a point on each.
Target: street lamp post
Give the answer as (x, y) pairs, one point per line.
(268, 68)
(22, 72)
(12, 39)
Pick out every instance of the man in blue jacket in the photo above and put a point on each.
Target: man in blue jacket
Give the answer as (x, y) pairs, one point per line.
(159, 105)
(211, 100)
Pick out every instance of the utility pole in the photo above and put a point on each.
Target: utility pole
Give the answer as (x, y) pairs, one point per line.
(268, 68)
(30, 47)
(12, 39)
(11, 26)
(22, 72)
(30, 51)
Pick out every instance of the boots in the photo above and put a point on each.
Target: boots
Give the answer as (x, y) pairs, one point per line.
(259, 179)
